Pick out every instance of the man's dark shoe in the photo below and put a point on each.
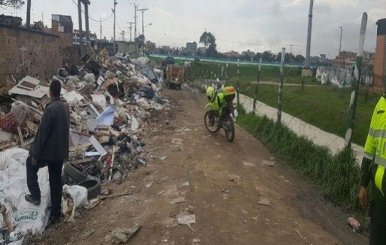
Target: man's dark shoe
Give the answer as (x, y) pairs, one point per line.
(29, 198)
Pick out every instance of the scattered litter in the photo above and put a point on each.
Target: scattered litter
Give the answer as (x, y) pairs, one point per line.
(177, 141)
(248, 164)
(163, 158)
(88, 233)
(149, 184)
(107, 116)
(186, 219)
(196, 240)
(269, 163)
(159, 193)
(122, 235)
(234, 178)
(177, 200)
(185, 184)
(97, 146)
(355, 225)
(264, 202)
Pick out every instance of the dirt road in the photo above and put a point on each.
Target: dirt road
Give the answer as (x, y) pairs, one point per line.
(220, 183)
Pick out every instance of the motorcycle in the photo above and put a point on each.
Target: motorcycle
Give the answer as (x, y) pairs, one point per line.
(220, 111)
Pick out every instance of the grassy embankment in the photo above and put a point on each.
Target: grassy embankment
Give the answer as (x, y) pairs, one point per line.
(325, 107)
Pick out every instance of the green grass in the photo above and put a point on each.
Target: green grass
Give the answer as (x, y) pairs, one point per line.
(338, 176)
(247, 73)
(326, 107)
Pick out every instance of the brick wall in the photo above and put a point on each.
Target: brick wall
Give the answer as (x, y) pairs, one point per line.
(27, 52)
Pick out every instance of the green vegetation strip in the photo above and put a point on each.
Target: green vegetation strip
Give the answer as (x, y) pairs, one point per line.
(338, 176)
(325, 107)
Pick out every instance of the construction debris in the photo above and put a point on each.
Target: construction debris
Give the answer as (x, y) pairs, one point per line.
(110, 102)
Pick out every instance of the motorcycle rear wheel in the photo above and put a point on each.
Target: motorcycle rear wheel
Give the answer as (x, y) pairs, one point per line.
(229, 129)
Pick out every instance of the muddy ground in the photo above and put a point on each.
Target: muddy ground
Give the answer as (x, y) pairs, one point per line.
(233, 190)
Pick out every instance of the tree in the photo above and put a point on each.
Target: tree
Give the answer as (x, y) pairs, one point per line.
(212, 50)
(206, 38)
(209, 41)
(299, 59)
(267, 56)
(12, 3)
(257, 57)
(140, 40)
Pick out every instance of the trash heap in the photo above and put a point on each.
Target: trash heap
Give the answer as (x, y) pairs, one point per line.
(110, 100)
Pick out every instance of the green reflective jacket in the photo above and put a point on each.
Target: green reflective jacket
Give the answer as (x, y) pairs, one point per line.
(375, 147)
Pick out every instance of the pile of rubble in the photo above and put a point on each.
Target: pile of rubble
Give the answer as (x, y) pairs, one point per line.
(110, 100)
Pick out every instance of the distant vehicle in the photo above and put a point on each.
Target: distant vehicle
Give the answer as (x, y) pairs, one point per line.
(175, 75)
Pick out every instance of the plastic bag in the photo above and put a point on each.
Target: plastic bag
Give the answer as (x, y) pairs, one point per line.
(13, 186)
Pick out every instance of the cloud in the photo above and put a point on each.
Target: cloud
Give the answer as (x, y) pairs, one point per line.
(239, 25)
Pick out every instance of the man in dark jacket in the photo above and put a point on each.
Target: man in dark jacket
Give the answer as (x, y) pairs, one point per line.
(50, 148)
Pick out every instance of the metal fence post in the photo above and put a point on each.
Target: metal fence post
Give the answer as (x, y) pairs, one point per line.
(238, 81)
(257, 86)
(280, 94)
(356, 82)
(226, 74)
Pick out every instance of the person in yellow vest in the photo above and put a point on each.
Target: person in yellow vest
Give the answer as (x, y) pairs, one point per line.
(373, 168)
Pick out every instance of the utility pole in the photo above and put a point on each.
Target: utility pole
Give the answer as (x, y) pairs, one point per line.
(135, 21)
(356, 82)
(80, 27)
(308, 51)
(86, 3)
(100, 28)
(131, 30)
(28, 23)
(114, 11)
(280, 94)
(340, 43)
(257, 85)
(238, 82)
(143, 19)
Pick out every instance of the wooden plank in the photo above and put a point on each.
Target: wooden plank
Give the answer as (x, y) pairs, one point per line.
(20, 136)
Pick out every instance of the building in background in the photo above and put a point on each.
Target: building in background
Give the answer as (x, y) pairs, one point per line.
(104, 44)
(191, 48)
(129, 48)
(62, 23)
(62, 26)
(369, 59)
(380, 56)
(76, 38)
(345, 59)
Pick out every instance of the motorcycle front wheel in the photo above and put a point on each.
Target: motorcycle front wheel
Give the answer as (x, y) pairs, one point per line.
(210, 121)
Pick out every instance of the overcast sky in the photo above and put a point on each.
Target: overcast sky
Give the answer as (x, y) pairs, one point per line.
(237, 24)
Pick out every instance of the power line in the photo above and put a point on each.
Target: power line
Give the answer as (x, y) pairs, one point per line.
(97, 21)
